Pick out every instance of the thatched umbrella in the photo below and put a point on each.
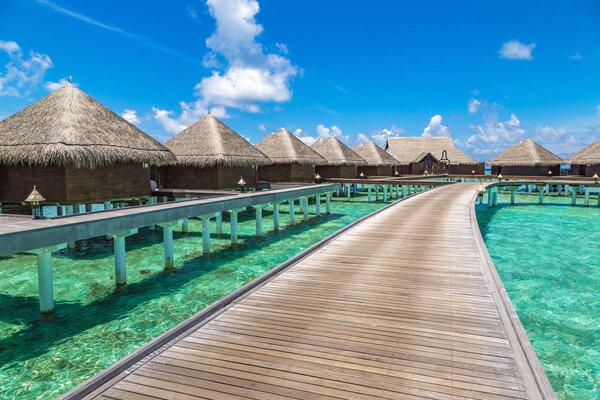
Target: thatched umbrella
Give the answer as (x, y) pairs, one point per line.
(409, 150)
(282, 147)
(209, 142)
(525, 154)
(337, 153)
(374, 155)
(70, 128)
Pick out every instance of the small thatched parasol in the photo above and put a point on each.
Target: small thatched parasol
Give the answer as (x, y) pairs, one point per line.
(337, 153)
(375, 156)
(68, 127)
(283, 148)
(586, 156)
(409, 150)
(525, 154)
(209, 142)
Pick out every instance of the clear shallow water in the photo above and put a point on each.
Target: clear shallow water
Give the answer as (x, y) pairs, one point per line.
(95, 324)
(548, 259)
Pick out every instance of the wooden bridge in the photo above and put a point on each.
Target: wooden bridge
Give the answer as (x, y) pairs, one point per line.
(405, 304)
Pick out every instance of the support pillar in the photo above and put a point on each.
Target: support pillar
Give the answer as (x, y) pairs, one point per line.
(119, 247)
(403, 191)
(397, 192)
(318, 204)
(385, 193)
(587, 197)
(45, 284)
(276, 217)
(369, 194)
(259, 227)
(305, 206)
(206, 232)
(292, 211)
(88, 208)
(376, 192)
(234, 224)
(168, 242)
(219, 220)
(328, 203)
(512, 197)
(541, 196)
(69, 211)
(185, 226)
(348, 191)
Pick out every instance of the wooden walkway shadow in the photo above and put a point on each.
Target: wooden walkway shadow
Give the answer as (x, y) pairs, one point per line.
(405, 305)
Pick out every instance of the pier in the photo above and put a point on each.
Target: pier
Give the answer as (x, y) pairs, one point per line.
(402, 304)
(44, 236)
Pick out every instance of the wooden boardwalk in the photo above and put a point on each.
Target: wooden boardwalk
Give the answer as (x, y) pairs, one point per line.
(405, 305)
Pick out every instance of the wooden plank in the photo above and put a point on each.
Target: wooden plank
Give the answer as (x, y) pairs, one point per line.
(401, 306)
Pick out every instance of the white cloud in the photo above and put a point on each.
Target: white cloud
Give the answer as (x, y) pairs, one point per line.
(473, 105)
(131, 116)
(494, 136)
(251, 76)
(170, 125)
(282, 47)
(22, 73)
(52, 86)
(262, 127)
(380, 136)
(516, 50)
(576, 56)
(436, 128)
(341, 89)
(309, 140)
(558, 141)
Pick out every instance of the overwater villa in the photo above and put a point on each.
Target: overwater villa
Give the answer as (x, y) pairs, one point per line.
(526, 158)
(342, 161)
(75, 151)
(210, 155)
(379, 162)
(586, 161)
(417, 155)
(293, 160)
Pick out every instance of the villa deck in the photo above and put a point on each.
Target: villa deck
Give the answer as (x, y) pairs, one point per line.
(404, 304)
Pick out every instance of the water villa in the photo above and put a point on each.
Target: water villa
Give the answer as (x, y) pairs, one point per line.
(586, 161)
(210, 155)
(526, 158)
(293, 160)
(379, 162)
(342, 161)
(75, 151)
(419, 154)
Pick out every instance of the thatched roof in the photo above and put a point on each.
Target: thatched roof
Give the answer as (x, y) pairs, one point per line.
(210, 142)
(283, 148)
(374, 155)
(412, 149)
(525, 154)
(68, 127)
(337, 153)
(587, 156)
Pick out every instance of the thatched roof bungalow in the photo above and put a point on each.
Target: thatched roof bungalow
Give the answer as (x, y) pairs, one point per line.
(293, 160)
(342, 161)
(526, 158)
(75, 150)
(586, 161)
(379, 162)
(416, 154)
(210, 155)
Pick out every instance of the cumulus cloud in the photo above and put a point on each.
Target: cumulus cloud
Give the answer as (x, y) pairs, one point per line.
(308, 139)
(251, 76)
(168, 123)
(558, 141)
(473, 105)
(380, 136)
(131, 116)
(52, 86)
(516, 50)
(262, 127)
(436, 128)
(494, 136)
(22, 74)
(282, 47)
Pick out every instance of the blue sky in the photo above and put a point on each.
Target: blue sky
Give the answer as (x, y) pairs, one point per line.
(488, 73)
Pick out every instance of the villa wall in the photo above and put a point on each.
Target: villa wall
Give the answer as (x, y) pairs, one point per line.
(217, 177)
(292, 172)
(69, 185)
(376, 171)
(526, 171)
(585, 170)
(464, 169)
(337, 171)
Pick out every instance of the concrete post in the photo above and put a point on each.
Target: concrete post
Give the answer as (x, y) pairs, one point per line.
(119, 247)
(495, 196)
(541, 196)
(512, 197)
(206, 233)
(292, 216)
(45, 284)
(587, 197)
(397, 192)
(328, 203)
(376, 192)
(318, 204)
(185, 226)
(490, 198)
(233, 222)
(403, 191)
(385, 193)
(219, 219)
(168, 241)
(348, 191)
(369, 194)
(276, 217)
(305, 207)
(259, 227)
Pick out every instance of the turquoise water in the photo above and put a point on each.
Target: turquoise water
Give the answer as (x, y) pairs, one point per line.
(95, 324)
(548, 259)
